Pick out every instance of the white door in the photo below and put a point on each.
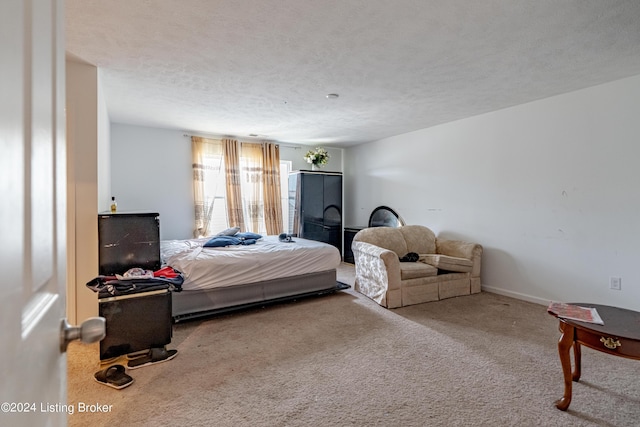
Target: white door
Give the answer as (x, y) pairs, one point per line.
(32, 212)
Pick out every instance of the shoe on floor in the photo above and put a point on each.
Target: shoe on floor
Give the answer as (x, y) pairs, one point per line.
(114, 376)
(155, 355)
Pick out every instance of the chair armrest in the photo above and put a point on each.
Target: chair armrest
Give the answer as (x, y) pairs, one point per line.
(460, 249)
(377, 270)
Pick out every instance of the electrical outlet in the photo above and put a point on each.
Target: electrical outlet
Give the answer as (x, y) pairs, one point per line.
(615, 283)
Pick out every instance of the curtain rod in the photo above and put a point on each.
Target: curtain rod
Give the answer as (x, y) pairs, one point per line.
(297, 147)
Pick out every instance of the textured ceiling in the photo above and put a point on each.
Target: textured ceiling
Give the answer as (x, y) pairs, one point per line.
(264, 67)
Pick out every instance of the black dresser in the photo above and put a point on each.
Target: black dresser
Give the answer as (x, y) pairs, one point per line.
(349, 234)
(315, 206)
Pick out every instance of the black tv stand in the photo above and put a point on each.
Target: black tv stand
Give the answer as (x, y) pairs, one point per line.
(154, 355)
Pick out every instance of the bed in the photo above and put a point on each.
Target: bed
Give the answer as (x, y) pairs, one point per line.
(229, 278)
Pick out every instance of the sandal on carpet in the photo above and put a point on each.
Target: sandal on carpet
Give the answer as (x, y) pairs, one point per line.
(114, 376)
(155, 355)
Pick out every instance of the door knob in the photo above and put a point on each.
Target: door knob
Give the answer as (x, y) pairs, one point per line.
(92, 330)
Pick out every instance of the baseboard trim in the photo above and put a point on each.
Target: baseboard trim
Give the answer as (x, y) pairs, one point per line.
(516, 295)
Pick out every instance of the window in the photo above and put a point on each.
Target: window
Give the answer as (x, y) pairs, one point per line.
(210, 170)
(215, 193)
(253, 206)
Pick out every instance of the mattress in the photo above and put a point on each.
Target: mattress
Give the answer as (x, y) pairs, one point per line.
(268, 259)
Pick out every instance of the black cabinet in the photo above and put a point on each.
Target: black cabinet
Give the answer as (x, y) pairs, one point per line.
(349, 234)
(136, 320)
(127, 240)
(315, 206)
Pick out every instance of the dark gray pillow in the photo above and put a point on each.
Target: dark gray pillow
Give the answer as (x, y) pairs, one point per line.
(229, 231)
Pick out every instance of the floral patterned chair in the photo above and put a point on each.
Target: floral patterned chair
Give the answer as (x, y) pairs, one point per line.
(444, 268)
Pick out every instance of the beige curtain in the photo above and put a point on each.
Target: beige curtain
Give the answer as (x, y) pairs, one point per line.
(252, 194)
(271, 184)
(251, 181)
(203, 150)
(234, 193)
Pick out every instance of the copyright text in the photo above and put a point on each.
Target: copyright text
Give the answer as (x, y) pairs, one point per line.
(69, 408)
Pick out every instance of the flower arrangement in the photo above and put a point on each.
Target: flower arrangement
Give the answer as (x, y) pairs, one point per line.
(317, 157)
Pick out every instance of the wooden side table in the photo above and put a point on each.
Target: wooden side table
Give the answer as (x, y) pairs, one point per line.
(619, 336)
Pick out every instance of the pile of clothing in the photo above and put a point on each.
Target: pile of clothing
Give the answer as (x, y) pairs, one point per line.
(136, 280)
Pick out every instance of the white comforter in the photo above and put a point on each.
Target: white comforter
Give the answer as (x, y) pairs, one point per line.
(206, 268)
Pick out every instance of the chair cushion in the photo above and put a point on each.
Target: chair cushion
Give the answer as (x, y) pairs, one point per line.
(448, 263)
(415, 270)
(419, 239)
(384, 237)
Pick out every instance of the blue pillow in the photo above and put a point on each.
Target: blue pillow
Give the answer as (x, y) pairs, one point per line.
(248, 235)
(220, 241)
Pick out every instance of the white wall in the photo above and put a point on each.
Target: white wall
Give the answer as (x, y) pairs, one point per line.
(104, 152)
(296, 155)
(88, 176)
(151, 171)
(549, 188)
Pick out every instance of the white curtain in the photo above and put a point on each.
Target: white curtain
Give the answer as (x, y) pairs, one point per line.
(207, 178)
(252, 188)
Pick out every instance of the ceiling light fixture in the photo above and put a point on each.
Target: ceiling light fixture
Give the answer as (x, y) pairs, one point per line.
(332, 96)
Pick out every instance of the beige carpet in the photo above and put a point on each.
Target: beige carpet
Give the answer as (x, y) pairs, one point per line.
(342, 360)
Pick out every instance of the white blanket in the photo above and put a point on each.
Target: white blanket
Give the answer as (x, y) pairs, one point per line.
(206, 268)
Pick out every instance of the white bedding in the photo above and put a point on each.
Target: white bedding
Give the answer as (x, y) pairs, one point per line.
(206, 268)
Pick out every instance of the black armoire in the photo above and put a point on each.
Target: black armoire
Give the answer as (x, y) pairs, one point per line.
(315, 206)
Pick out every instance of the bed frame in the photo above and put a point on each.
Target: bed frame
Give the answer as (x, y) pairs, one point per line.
(194, 304)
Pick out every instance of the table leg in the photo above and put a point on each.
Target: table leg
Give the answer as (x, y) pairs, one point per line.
(578, 362)
(564, 347)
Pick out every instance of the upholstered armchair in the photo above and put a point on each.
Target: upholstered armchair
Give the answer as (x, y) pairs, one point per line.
(440, 269)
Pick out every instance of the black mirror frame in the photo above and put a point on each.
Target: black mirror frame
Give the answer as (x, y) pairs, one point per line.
(400, 221)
